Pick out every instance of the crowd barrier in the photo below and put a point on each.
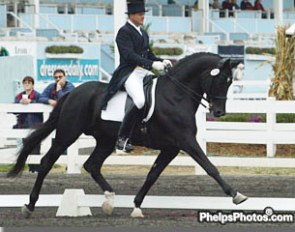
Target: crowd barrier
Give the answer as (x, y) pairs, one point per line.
(269, 133)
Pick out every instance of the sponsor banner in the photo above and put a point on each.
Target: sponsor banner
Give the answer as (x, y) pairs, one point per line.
(236, 52)
(19, 48)
(77, 70)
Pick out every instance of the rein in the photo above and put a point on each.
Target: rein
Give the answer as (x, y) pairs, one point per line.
(195, 96)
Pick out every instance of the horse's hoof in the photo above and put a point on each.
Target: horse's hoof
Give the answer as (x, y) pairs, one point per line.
(108, 204)
(136, 213)
(239, 198)
(107, 208)
(26, 212)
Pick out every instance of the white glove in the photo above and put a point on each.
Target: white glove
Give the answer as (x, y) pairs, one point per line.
(167, 63)
(158, 65)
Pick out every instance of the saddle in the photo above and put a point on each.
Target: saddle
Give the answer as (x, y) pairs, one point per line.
(121, 102)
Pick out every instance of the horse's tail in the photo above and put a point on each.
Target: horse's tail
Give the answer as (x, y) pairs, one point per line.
(33, 139)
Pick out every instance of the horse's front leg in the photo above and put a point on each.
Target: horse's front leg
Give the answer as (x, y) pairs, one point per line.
(163, 159)
(195, 151)
(93, 165)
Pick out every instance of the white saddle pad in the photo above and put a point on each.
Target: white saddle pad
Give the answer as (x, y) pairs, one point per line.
(115, 109)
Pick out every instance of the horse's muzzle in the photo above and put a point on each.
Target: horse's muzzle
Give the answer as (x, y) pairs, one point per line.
(218, 113)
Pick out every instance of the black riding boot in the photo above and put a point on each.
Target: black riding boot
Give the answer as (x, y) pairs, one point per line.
(126, 129)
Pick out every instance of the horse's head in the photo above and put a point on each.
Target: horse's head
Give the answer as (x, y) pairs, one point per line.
(216, 83)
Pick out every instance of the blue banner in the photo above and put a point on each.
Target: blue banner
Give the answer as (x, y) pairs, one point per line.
(77, 70)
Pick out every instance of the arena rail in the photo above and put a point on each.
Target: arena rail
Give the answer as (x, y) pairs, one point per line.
(269, 133)
(75, 203)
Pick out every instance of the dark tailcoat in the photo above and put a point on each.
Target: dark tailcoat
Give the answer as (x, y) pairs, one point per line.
(134, 51)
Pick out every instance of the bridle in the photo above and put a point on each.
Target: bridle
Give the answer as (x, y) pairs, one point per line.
(196, 96)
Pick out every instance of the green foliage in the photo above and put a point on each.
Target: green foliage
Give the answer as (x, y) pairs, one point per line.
(243, 118)
(286, 118)
(260, 51)
(167, 51)
(5, 168)
(64, 49)
(281, 118)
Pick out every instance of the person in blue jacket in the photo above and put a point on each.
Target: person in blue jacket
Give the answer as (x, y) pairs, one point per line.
(29, 120)
(136, 61)
(54, 91)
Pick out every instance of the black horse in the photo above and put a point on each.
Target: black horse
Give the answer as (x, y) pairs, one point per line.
(171, 128)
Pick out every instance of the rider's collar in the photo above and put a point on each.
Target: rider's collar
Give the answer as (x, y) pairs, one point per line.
(136, 27)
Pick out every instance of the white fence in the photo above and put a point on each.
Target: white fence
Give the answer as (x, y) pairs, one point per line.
(237, 90)
(269, 133)
(75, 203)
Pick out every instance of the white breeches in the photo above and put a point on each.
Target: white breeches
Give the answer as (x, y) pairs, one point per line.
(134, 86)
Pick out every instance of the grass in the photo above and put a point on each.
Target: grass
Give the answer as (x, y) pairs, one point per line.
(7, 168)
(281, 118)
(174, 170)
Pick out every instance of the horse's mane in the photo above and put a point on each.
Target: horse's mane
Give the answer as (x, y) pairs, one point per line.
(190, 58)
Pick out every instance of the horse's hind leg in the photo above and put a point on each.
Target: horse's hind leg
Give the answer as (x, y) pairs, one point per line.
(164, 158)
(93, 165)
(46, 164)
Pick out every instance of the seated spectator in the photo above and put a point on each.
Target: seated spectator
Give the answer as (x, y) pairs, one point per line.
(245, 5)
(196, 5)
(258, 5)
(230, 5)
(234, 5)
(216, 5)
(29, 120)
(56, 90)
(226, 5)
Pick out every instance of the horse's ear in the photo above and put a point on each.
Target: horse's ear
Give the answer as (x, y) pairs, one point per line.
(224, 63)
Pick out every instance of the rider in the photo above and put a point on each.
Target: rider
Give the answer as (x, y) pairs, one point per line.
(136, 61)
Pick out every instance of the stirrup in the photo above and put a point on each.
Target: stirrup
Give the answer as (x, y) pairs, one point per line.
(122, 145)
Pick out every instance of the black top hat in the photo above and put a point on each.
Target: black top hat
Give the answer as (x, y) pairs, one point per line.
(135, 6)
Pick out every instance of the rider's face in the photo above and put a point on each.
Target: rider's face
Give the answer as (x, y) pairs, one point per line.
(137, 18)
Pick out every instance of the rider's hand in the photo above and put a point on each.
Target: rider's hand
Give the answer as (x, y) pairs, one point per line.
(158, 65)
(167, 63)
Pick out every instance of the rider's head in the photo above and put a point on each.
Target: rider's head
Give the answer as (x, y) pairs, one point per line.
(136, 11)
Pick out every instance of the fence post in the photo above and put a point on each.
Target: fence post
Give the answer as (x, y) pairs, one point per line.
(270, 122)
(201, 135)
(73, 155)
(69, 206)
(201, 128)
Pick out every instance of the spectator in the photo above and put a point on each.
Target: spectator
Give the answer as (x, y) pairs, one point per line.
(29, 120)
(216, 5)
(230, 5)
(196, 5)
(226, 5)
(238, 75)
(234, 5)
(56, 90)
(245, 5)
(258, 5)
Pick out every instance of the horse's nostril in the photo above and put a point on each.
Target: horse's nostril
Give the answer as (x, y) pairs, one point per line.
(219, 113)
